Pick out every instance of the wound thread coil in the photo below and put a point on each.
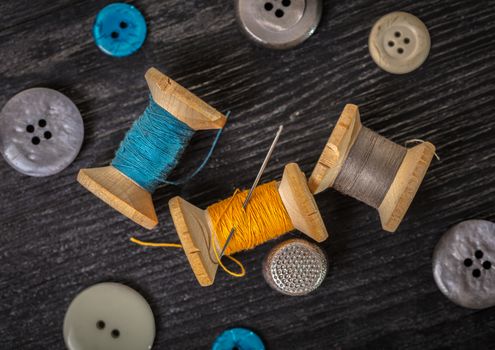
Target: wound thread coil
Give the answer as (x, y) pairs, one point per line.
(201, 234)
(152, 149)
(264, 219)
(370, 167)
(360, 163)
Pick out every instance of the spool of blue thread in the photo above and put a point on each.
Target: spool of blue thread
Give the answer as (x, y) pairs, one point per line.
(151, 149)
(153, 146)
(238, 338)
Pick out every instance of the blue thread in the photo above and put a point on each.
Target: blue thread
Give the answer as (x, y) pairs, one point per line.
(153, 146)
(238, 338)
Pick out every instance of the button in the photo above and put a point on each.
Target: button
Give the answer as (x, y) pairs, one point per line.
(238, 338)
(278, 24)
(109, 316)
(295, 267)
(119, 29)
(399, 42)
(463, 264)
(41, 132)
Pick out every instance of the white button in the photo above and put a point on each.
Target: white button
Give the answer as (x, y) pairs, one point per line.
(399, 42)
(41, 132)
(109, 316)
(278, 24)
(463, 264)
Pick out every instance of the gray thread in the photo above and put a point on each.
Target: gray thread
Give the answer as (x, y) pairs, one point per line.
(370, 168)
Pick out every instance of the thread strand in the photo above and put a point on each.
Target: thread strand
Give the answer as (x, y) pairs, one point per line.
(264, 218)
(153, 147)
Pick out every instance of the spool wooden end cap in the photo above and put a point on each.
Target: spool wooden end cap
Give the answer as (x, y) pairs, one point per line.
(405, 184)
(182, 103)
(121, 193)
(194, 226)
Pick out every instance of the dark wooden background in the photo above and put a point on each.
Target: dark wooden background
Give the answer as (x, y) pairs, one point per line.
(57, 239)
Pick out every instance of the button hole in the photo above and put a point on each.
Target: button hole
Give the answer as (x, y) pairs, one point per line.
(30, 128)
(468, 262)
(487, 265)
(400, 50)
(115, 333)
(123, 25)
(114, 35)
(286, 3)
(391, 44)
(100, 324)
(478, 254)
(36, 140)
(476, 273)
(268, 6)
(406, 41)
(47, 135)
(279, 13)
(42, 123)
(397, 34)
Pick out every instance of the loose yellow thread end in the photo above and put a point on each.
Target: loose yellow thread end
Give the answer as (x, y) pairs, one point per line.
(152, 244)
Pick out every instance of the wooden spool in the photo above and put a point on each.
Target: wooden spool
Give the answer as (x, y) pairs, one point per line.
(405, 184)
(194, 226)
(121, 192)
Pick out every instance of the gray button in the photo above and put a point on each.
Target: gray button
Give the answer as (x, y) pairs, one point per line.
(278, 24)
(41, 132)
(399, 42)
(463, 264)
(295, 267)
(109, 316)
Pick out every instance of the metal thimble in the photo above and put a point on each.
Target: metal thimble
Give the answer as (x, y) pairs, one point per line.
(295, 267)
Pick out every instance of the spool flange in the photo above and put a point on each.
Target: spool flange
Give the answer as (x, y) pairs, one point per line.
(121, 192)
(194, 226)
(405, 184)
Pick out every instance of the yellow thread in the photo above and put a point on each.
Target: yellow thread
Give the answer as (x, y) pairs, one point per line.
(264, 218)
(177, 245)
(152, 244)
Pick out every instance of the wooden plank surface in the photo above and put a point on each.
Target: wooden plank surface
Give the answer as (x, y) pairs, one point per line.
(57, 239)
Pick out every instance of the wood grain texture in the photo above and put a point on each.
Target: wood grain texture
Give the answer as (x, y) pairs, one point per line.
(57, 239)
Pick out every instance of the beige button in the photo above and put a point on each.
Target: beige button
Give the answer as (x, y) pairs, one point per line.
(109, 316)
(399, 42)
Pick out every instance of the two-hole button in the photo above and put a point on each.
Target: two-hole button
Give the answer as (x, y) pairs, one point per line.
(115, 333)
(109, 316)
(278, 24)
(119, 29)
(399, 42)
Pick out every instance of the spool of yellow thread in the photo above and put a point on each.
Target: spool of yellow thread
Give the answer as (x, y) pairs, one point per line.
(274, 209)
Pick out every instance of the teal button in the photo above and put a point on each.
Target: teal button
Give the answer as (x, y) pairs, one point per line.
(119, 29)
(238, 338)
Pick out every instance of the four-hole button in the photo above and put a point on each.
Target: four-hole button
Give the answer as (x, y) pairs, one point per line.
(399, 42)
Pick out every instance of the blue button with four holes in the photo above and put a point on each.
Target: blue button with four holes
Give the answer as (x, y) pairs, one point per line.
(238, 338)
(119, 29)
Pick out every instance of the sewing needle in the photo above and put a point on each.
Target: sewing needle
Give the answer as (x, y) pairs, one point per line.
(255, 183)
